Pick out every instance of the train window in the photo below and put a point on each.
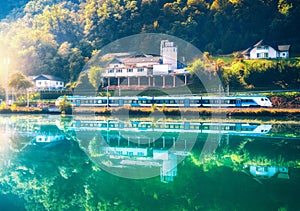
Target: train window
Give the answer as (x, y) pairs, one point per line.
(262, 99)
(232, 101)
(206, 101)
(148, 101)
(140, 154)
(247, 101)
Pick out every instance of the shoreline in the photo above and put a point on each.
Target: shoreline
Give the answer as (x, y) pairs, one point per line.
(292, 113)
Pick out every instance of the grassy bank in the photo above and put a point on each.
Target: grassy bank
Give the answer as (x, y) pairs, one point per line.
(291, 113)
(21, 110)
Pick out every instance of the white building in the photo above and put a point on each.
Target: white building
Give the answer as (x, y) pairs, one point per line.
(132, 66)
(47, 82)
(145, 67)
(262, 50)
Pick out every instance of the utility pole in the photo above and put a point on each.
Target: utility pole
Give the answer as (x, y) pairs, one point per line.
(6, 62)
(107, 96)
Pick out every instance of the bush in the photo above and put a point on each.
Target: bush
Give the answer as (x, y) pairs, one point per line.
(64, 106)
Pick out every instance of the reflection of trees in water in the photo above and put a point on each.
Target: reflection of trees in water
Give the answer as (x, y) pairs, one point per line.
(249, 151)
(63, 178)
(286, 130)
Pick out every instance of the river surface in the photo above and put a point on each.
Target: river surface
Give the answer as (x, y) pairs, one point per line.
(49, 162)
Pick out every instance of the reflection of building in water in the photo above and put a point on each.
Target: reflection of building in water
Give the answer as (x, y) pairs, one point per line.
(160, 144)
(169, 165)
(48, 134)
(266, 172)
(162, 158)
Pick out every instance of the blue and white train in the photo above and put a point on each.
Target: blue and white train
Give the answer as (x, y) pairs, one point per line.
(168, 101)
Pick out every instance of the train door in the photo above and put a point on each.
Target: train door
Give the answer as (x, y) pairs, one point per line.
(186, 102)
(77, 102)
(238, 127)
(121, 102)
(186, 125)
(238, 102)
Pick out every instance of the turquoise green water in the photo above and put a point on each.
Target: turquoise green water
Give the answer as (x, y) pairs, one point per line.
(81, 163)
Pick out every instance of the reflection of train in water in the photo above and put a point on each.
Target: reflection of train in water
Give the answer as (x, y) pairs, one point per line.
(168, 126)
(169, 101)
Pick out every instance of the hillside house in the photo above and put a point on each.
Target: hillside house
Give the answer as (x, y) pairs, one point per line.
(263, 50)
(47, 82)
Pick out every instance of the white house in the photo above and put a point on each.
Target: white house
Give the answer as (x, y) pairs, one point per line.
(47, 82)
(263, 50)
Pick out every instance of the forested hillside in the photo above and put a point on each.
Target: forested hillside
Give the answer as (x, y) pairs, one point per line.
(57, 37)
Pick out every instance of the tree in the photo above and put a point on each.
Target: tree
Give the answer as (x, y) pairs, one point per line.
(95, 76)
(65, 106)
(19, 81)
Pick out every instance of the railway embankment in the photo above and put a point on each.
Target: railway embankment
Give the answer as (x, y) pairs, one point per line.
(291, 113)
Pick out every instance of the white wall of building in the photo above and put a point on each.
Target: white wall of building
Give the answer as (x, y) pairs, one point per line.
(46, 84)
(161, 69)
(263, 52)
(169, 53)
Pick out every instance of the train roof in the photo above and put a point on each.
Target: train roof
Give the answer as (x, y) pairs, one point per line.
(172, 97)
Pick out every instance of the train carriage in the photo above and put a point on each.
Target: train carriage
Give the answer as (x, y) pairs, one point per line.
(169, 101)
